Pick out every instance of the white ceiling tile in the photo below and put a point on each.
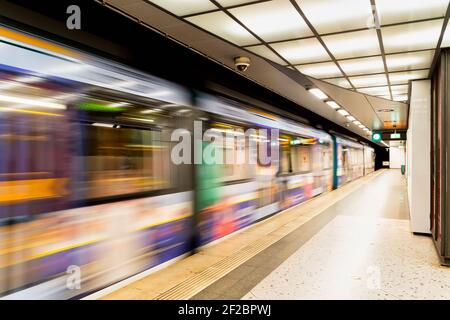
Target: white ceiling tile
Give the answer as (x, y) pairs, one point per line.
(341, 82)
(368, 81)
(329, 16)
(409, 61)
(362, 65)
(229, 3)
(302, 51)
(184, 7)
(404, 77)
(446, 39)
(273, 21)
(353, 44)
(223, 26)
(265, 52)
(400, 89)
(320, 70)
(394, 11)
(402, 98)
(376, 91)
(412, 36)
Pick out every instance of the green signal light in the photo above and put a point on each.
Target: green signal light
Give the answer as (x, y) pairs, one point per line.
(376, 137)
(90, 106)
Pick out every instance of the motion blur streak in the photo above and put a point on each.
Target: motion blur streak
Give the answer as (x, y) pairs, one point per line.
(86, 177)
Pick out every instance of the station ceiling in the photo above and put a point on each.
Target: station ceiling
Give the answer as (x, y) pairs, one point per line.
(371, 47)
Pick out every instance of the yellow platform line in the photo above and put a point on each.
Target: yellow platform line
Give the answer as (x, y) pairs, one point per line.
(188, 277)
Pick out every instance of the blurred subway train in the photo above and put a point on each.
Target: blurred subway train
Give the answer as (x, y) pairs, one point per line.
(89, 190)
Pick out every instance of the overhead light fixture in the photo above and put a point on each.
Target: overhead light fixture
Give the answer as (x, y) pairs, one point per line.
(351, 118)
(343, 112)
(103, 125)
(361, 126)
(333, 104)
(118, 104)
(356, 122)
(150, 111)
(365, 129)
(318, 93)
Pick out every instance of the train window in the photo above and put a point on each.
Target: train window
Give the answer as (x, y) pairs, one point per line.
(122, 148)
(301, 158)
(236, 168)
(119, 159)
(285, 163)
(327, 157)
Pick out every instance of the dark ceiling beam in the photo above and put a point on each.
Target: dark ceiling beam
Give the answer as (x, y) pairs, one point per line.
(376, 19)
(439, 43)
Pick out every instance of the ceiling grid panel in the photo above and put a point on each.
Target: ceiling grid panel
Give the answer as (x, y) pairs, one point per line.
(324, 40)
(216, 3)
(301, 13)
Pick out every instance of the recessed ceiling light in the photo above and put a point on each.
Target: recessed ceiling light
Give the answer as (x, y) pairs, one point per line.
(318, 93)
(343, 112)
(333, 104)
(357, 122)
(351, 118)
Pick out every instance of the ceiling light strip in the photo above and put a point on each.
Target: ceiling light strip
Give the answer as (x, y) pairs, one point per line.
(334, 105)
(316, 34)
(380, 41)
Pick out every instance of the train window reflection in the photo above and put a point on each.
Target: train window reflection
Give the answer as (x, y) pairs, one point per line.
(118, 160)
(301, 158)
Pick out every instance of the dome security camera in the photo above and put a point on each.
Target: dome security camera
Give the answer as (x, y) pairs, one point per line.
(242, 63)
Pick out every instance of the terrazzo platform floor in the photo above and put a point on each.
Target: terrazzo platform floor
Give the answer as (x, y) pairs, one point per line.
(351, 243)
(366, 251)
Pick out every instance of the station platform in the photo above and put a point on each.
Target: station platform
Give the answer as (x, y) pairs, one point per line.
(351, 243)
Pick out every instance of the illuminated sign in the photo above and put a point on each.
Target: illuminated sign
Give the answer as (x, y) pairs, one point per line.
(395, 136)
(376, 137)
